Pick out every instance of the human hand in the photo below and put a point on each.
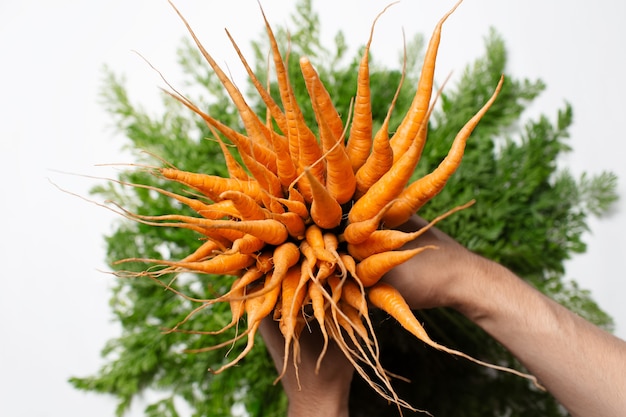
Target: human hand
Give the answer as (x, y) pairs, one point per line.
(311, 394)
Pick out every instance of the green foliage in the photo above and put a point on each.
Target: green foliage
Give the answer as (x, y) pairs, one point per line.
(529, 215)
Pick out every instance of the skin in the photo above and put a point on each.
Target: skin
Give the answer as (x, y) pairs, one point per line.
(583, 366)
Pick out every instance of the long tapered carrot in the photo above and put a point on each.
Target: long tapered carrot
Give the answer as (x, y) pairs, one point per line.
(321, 100)
(318, 305)
(210, 211)
(254, 127)
(270, 231)
(257, 308)
(417, 113)
(387, 298)
(267, 179)
(285, 166)
(302, 142)
(235, 170)
(422, 190)
(386, 189)
(273, 108)
(220, 264)
(381, 157)
(393, 181)
(340, 180)
(293, 292)
(264, 154)
(390, 239)
(211, 185)
(371, 269)
(360, 138)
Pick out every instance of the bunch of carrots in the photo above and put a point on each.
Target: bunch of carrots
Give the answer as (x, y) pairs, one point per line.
(306, 225)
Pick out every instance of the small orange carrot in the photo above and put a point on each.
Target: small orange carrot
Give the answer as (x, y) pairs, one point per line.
(340, 180)
(254, 127)
(325, 211)
(315, 238)
(371, 269)
(381, 158)
(293, 222)
(303, 145)
(284, 257)
(246, 206)
(247, 244)
(266, 178)
(358, 232)
(386, 189)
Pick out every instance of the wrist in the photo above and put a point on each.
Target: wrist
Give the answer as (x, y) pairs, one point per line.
(326, 401)
(477, 290)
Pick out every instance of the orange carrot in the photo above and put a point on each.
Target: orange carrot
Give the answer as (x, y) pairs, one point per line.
(316, 294)
(386, 189)
(381, 158)
(416, 116)
(293, 223)
(325, 111)
(247, 244)
(371, 269)
(266, 178)
(246, 206)
(210, 211)
(387, 298)
(293, 292)
(235, 170)
(285, 166)
(211, 185)
(315, 238)
(257, 308)
(390, 239)
(270, 231)
(360, 139)
(360, 231)
(275, 111)
(264, 154)
(340, 180)
(220, 264)
(254, 127)
(302, 142)
(284, 257)
(425, 188)
(325, 211)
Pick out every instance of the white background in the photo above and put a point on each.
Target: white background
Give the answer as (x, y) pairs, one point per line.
(54, 301)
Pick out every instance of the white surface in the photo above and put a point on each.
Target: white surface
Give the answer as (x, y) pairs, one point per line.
(53, 303)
